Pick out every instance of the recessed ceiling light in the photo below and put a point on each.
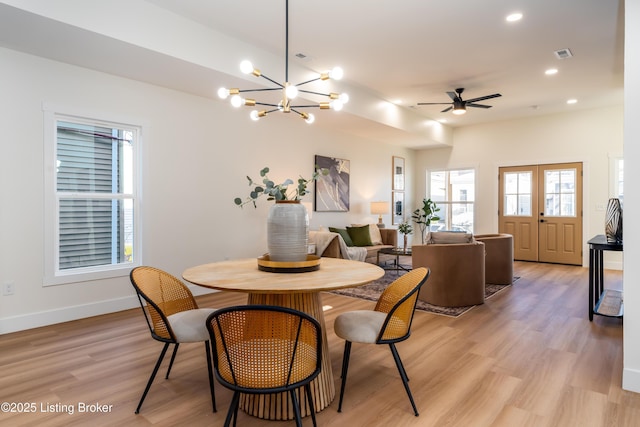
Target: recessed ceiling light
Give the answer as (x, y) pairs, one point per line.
(397, 101)
(514, 17)
(572, 101)
(442, 120)
(551, 71)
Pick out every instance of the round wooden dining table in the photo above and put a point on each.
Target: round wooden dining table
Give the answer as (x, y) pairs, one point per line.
(300, 291)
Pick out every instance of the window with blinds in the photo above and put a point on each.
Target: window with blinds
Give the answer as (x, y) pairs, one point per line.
(94, 192)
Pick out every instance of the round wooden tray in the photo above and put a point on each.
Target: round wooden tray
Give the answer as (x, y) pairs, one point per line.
(312, 263)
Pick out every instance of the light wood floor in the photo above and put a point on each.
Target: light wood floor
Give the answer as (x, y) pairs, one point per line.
(528, 357)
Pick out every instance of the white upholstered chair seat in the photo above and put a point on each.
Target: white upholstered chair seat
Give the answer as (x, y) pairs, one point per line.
(190, 325)
(361, 326)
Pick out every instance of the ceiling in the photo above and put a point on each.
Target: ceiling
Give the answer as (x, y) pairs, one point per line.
(411, 50)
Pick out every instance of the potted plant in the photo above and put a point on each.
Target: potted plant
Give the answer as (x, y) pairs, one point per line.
(288, 221)
(405, 228)
(423, 216)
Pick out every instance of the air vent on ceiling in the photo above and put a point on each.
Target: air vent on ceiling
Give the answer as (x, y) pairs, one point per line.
(563, 54)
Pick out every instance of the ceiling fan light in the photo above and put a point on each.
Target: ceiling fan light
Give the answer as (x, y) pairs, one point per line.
(459, 110)
(514, 17)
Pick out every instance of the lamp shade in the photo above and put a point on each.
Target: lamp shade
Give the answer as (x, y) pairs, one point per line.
(379, 208)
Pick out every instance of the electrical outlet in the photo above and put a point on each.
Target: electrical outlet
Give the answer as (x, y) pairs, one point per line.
(8, 288)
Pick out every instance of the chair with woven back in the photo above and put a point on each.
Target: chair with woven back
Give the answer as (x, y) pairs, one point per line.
(173, 317)
(262, 349)
(389, 323)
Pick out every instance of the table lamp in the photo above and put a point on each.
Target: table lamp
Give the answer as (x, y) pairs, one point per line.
(380, 208)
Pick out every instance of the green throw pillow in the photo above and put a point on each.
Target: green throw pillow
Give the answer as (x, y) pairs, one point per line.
(361, 236)
(345, 235)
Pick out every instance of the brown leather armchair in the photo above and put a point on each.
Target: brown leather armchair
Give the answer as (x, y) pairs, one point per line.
(499, 258)
(457, 273)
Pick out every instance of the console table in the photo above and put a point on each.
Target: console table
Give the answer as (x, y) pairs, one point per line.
(603, 302)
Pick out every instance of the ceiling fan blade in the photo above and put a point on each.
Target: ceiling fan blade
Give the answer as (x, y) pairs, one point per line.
(452, 95)
(482, 98)
(433, 103)
(478, 105)
(446, 109)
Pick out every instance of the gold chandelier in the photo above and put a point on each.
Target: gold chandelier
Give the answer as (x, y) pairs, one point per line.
(334, 101)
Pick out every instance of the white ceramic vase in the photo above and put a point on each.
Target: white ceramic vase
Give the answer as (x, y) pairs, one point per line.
(288, 231)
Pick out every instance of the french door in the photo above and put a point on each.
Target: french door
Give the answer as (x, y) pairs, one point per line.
(541, 206)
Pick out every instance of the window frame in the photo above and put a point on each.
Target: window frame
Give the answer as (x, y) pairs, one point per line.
(53, 275)
(616, 176)
(447, 219)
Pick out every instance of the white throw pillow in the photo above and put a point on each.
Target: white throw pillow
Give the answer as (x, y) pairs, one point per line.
(447, 237)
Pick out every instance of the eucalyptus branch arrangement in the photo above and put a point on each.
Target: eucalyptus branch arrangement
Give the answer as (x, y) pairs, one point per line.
(278, 192)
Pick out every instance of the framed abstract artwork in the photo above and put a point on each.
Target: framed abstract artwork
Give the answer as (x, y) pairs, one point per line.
(398, 208)
(332, 190)
(398, 173)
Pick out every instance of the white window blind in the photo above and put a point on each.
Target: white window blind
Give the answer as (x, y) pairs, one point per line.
(94, 196)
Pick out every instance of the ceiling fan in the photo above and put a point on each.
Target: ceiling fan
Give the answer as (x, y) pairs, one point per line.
(459, 105)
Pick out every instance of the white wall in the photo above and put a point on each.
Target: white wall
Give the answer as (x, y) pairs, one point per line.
(631, 373)
(196, 154)
(585, 136)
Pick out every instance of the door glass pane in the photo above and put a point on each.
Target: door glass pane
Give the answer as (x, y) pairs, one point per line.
(568, 205)
(517, 196)
(524, 205)
(510, 183)
(552, 205)
(560, 192)
(511, 204)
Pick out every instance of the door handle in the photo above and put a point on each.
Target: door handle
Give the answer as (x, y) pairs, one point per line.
(542, 220)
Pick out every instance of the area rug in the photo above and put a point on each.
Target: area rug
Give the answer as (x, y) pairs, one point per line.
(373, 290)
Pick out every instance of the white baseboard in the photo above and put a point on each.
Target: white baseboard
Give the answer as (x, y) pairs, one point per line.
(612, 265)
(631, 380)
(67, 314)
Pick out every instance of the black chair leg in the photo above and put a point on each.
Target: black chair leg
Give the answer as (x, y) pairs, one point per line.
(233, 409)
(173, 357)
(296, 408)
(403, 376)
(312, 407)
(153, 376)
(345, 368)
(210, 368)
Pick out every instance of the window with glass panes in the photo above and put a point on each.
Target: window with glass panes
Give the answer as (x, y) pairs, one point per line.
(95, 198)
(453, 191)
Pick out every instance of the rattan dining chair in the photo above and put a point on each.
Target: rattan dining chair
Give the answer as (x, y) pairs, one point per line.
(173, 317)
(262, 349)
(389, 323)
